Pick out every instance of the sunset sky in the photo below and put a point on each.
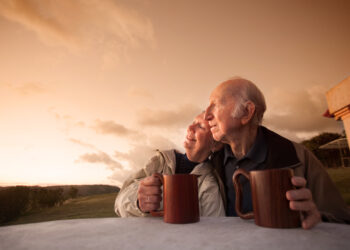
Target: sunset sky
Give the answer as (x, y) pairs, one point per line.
(89, 88)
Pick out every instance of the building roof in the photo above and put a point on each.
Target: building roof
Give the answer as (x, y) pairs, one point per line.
(336, 144)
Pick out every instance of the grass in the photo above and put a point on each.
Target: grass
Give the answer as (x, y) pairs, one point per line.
(341, 178)
(93, 206)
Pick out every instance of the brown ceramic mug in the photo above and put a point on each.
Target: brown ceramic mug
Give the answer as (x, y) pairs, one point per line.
(270, 205)
(180, 198)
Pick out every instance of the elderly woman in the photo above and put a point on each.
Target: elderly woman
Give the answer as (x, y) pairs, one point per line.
(142, 193)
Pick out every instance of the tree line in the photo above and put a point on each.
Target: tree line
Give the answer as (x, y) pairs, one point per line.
(17, 200)
(329, 157)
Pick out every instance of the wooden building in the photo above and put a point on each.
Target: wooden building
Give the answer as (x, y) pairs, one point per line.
(338, 99)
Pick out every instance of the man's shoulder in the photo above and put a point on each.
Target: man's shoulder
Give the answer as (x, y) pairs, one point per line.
(273, 136)
(168, 152)
(167, 156)
(203, 168)
(281, 151)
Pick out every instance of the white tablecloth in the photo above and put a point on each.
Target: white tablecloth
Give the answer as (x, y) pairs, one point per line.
(152, 233)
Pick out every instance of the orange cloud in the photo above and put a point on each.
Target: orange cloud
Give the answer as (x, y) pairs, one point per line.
(100, 157)
(66, 122)
(169, 118)
(106, 26)
(28, 88)
(299, 112)
(41, 17)
(119, 176)
(81, 143)
(110, 127)
(143, 150)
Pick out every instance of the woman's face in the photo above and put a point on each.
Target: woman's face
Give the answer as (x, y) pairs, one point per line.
(198, 140)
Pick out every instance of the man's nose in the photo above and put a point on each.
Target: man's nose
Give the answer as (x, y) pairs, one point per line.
(190, 128)
(208, 114)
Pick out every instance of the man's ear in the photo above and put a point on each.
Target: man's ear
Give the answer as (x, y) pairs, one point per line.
(249, 112)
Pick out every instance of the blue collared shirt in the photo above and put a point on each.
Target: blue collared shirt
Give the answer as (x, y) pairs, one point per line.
(253, 160)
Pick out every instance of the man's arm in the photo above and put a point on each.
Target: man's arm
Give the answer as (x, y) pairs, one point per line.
(325, 194)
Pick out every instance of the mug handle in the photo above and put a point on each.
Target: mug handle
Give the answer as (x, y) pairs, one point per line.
(238, 189)
(159, 213)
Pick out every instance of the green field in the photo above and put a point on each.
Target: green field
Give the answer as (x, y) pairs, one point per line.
(93, 206)
(341, 178)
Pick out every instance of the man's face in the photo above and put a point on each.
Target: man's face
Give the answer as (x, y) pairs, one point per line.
(219, 114)
(198, 140)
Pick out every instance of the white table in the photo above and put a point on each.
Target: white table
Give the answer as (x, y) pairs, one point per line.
(152, 233)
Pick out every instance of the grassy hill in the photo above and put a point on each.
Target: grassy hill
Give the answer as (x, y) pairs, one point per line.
(93, 206)
(341, 178)
(85, 190)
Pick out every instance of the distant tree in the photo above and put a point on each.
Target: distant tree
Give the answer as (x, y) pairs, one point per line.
(329, 157)
(46, 197)
(13, 202)
(73, 192)
(321, 139)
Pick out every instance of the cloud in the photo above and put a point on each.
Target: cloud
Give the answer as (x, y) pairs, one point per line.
(83, 144)
(28, 88)
(138, 156)
(41, 17)
(118, 177)
(58, 116)
(110, 127)
(80, 124)
(100, 157)
(106, 25)
(141, 152)
(66, 122)
(169, 118)
(299, 112)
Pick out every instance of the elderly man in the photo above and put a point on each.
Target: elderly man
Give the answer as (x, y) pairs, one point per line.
(142, 193)
(234, 114)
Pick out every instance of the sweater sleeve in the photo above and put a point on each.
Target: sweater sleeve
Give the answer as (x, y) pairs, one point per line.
(210, 200)
(126, 202)
(324, 192)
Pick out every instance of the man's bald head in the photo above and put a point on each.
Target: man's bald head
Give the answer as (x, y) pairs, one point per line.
(242, 90)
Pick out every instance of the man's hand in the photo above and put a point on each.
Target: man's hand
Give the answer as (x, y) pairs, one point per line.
(149, 194)
(301, 200)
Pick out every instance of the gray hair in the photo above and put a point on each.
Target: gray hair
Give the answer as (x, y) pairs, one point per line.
(248, 91)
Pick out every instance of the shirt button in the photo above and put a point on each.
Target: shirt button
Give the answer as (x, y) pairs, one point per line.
(237, 167)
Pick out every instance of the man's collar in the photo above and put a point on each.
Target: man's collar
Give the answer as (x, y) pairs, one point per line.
(257, 153)
(228, 153)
